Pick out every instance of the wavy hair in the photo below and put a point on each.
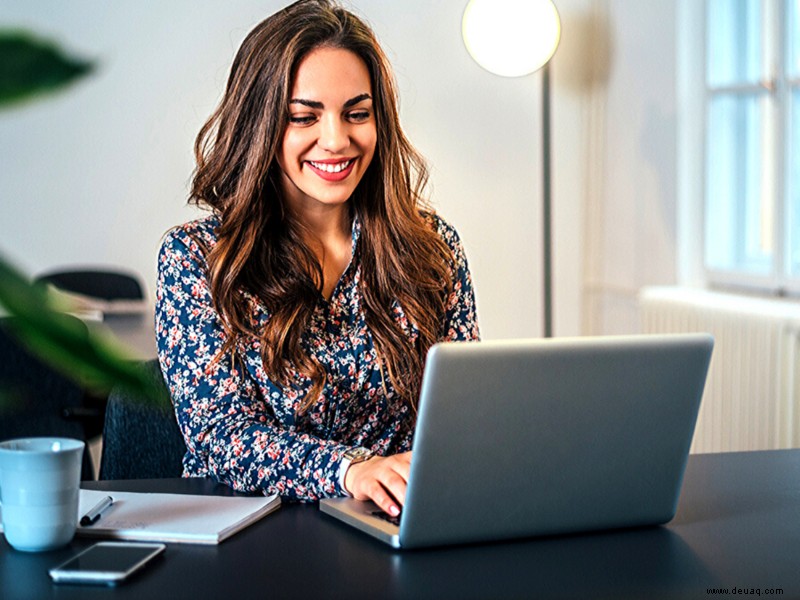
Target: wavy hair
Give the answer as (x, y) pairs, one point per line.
(260, 252)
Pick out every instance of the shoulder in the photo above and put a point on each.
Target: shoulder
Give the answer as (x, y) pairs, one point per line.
(197, 236)
(444, 229)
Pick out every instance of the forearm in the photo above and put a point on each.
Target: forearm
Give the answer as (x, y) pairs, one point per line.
(230, 430)
(252, 457)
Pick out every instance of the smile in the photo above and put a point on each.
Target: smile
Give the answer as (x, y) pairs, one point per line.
(331, 167)
(332, 171)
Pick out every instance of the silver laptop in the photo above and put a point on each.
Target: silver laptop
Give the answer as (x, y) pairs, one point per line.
(540, 437)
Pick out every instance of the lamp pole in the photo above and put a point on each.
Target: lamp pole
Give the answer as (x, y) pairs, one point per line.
(513, 38)
(547, 209)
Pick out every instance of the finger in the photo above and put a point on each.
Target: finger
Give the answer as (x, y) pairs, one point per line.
(396, 485)
(384, 501)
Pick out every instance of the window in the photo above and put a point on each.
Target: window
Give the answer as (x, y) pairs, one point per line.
(752, 144)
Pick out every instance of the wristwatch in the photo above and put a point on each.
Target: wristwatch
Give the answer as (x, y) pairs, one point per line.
(351, 457)
(356, 455)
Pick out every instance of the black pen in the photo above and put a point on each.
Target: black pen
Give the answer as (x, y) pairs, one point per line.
(93, 515)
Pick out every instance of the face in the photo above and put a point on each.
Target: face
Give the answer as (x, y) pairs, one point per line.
(331, 136)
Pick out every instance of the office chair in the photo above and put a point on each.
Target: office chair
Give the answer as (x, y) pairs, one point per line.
(35, 399)
(102, 284)
(141, 439)
(99, 289)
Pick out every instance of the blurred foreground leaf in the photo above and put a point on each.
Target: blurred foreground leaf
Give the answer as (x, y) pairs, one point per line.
(10, 399)
(30, 66)
(91, 357)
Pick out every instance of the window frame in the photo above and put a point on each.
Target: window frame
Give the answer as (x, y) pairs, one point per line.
(694, 95)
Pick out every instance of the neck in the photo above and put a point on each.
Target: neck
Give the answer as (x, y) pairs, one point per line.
(326, 223)
(327, 232)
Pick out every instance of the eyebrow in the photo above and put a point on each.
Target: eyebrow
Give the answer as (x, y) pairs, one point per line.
(319, 105)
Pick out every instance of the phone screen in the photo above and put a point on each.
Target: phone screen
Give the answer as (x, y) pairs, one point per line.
(105, 562)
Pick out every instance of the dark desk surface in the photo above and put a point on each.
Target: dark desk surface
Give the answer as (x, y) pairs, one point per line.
(738, 526)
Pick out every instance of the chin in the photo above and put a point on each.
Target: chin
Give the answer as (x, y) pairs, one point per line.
(332, 197)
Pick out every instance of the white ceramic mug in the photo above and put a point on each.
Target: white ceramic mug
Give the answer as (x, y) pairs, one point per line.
(39, 490)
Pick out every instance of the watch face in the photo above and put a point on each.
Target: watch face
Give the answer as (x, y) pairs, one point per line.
(357, 454)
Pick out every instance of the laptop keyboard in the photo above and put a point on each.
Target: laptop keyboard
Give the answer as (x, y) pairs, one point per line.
(382, 515)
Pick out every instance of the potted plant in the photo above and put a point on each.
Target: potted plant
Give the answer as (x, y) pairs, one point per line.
(29, 69)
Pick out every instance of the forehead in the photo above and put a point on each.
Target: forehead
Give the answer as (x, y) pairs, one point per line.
(333, 73)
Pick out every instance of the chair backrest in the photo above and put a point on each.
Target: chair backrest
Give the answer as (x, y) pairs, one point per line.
(141, 438)
(35, 399)
(103, 284)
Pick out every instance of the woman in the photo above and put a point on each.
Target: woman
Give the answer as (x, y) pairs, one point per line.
(293, 322)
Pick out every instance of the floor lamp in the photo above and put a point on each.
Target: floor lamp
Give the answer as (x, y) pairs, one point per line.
(513, 38)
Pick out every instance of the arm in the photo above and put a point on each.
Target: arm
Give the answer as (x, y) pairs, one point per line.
(384, 479)
(460, 321)
(230, 430)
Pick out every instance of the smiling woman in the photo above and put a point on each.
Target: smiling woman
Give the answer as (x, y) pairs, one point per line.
(330, 140)
(293, 322)
(327, 147)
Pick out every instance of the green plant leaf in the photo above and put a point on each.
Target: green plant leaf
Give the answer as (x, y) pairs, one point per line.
(11, 400)
(91, 357)
(30, 66)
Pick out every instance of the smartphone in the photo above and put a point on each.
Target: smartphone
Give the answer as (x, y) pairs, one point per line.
(106, 563)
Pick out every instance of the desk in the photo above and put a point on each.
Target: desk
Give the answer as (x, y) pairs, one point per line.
(738, 525)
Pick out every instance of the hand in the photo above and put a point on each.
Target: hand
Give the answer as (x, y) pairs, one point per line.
(382, 479)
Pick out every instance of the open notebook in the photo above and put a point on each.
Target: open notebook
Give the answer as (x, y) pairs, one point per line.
(179, 518)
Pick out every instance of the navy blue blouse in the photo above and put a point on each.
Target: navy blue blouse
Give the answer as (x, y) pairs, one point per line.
(243, 429)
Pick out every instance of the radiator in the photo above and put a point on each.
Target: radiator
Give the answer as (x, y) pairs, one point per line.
(752, 395)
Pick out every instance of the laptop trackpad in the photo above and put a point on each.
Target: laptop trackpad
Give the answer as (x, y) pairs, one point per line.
(366, 516)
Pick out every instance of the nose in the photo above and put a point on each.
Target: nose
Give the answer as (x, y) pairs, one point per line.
(334, 136)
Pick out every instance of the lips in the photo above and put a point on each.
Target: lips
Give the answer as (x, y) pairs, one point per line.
(332, 170)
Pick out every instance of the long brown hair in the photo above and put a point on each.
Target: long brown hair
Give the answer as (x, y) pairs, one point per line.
(260, 250)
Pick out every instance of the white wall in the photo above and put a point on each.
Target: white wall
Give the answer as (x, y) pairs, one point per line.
(616, 121)
(97, 174)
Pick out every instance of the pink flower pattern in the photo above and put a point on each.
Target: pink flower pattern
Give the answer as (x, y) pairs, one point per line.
(241, 428)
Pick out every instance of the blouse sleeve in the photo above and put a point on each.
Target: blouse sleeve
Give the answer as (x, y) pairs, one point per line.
(230, 430)
(461, 320)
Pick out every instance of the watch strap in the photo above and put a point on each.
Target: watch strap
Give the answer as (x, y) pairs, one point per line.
(352, 456)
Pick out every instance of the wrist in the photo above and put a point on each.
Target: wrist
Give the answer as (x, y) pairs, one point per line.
(353, 456)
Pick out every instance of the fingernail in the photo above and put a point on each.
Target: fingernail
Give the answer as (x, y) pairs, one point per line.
(394, 511)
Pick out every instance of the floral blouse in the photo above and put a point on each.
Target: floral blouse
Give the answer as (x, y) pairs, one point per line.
(243, 429)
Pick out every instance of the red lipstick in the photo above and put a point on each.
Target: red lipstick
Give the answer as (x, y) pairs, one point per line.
(333, 176)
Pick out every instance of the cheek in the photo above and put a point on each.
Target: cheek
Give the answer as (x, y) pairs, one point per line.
(280, 155)
(291, 149)
(369, 142)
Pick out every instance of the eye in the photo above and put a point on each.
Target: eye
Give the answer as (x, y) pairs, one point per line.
(302, 119)
(358, 116)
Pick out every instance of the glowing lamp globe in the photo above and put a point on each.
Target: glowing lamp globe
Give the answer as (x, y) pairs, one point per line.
(511, 38)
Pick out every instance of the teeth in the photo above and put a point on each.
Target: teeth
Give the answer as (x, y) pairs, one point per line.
(330, 167)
